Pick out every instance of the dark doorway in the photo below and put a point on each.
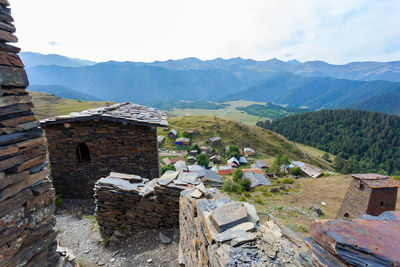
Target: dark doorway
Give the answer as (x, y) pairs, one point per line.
(83, 153)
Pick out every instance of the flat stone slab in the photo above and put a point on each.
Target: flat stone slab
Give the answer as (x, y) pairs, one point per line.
(167, 177)
(121, 184)
(228, 216)
(188, 177)
(129, 177)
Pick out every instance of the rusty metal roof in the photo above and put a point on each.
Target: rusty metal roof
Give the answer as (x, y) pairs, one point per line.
(376, 180)
(361, 241)
(122, 112)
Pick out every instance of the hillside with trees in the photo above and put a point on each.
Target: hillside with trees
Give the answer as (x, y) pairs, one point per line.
(363, 141)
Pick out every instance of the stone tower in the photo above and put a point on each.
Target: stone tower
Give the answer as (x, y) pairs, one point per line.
(369, 194)
(27, 234)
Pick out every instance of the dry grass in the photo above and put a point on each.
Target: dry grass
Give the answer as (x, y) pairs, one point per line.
(330, 190)
(47, 106)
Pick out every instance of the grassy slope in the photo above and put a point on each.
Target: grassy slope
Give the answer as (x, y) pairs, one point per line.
(267, 143)
(330, 190)
(47, 106)
(230, 112)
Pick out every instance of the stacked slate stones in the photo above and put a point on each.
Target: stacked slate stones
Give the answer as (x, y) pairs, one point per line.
(27, 234)
(216, 231)
(126, 204)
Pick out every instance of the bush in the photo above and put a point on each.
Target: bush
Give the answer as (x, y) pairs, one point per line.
(194, 147)
(295, 171)
(242, 198)
(285, 181)
(58, 200)
(202, 160)
(231, 187)
(246, 184)
(237, 175)
(168, 167)
(233, 152)
(396, 178)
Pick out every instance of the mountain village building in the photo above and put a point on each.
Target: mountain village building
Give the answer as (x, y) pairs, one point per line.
(369, 194)
(84, 146)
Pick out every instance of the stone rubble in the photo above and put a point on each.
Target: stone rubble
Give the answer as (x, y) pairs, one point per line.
(27, 234)
(215, 231)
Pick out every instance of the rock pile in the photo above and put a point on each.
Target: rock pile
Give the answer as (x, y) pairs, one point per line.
(126, 204)
(215, 231)
(27, 235)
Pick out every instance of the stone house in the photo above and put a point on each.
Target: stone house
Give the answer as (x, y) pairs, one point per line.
(173, 134)
(215, 140)
(369, 194)
(85, 146)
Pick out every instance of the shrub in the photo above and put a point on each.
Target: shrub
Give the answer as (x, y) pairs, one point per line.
(231, 187)
(194, 147)
(295, 171)
(246, 184)
(247, 194)
(168, 167)
(233, 152)
(237, 175)
(242, 198)
(202, 160)
(58, 200)
(285, 181)
(396, 178)
(258, 200)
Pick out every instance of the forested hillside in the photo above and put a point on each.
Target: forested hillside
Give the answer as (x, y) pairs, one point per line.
(364, 141)
(387, 103)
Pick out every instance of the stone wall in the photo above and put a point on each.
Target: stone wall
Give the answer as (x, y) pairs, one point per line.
(355, 202)
(382, 199)
(114, 147)
(126, 204)
(215, 231)
(27, 235)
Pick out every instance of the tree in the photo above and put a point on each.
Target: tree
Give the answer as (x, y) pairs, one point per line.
(233, 152)
(168, 167)
(285, 161)
(202, 160)
(237, 175)
(195, 147)
(276, 165)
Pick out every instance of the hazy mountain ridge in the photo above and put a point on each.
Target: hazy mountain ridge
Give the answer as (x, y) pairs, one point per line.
(293, 83)
(386, 103)
(32, 59)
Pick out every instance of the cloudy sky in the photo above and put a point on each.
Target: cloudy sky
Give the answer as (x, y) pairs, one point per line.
(336, 31)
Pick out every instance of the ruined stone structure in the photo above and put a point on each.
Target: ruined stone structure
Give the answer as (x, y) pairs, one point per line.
(27, 234)
(87, 145)
(216, 231)
(129, 203)
(369, 194)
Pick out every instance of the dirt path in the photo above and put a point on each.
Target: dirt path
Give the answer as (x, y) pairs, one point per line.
(80, 234)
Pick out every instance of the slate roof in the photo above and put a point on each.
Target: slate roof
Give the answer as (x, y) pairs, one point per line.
(122, 112)
(256, 179)
(376, 180)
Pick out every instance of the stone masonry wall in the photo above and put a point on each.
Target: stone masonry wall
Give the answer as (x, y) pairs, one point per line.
(114, 147)
(126, 204)
(382, 199)
(355, 202)
(215, 231)
(27, 234)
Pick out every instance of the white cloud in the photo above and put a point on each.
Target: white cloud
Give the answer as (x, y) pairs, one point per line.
(337, 31)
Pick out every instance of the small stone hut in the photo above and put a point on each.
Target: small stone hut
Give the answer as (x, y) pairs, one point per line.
(369, 194)
(87, 145)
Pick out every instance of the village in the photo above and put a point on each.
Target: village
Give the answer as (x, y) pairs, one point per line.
(107, 185)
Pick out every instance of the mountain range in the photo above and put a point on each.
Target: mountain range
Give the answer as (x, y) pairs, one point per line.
(313, 84)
